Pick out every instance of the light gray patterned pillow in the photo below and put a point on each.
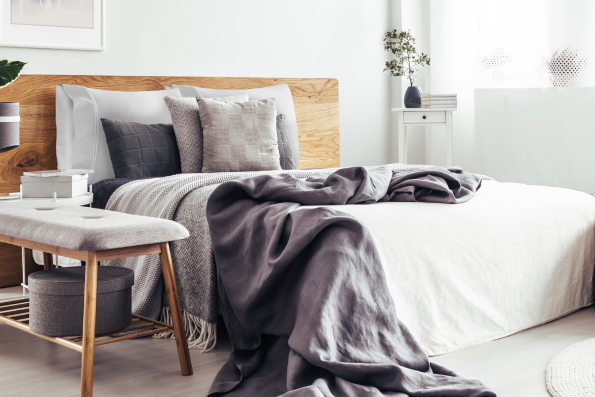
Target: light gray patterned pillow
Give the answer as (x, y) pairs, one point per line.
(188, 130)
(239, 136)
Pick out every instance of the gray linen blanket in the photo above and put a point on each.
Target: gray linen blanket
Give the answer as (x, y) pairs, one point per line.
(303, 293)
(183, 198)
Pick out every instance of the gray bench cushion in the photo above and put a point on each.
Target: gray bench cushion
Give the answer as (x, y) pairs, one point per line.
(82, 228)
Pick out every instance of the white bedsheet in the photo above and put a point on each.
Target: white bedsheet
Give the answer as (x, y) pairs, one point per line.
(513, 257)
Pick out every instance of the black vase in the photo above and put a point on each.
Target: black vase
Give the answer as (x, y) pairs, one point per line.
(413, 97)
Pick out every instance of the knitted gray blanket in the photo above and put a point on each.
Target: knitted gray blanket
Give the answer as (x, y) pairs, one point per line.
(183, 198)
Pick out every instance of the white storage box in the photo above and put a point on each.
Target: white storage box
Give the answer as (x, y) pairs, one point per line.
(67, 186)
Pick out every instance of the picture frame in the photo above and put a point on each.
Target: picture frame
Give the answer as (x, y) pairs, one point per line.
(62, 24)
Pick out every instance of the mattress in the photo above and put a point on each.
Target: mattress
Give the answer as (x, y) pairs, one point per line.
(513, 257)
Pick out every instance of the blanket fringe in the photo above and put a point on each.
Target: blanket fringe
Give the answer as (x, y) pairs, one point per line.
(201, 334)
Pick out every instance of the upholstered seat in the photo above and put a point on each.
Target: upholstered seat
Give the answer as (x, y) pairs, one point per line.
(55, 306)
(82, 228)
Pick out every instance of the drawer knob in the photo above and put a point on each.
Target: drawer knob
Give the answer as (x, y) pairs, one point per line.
(424, 117)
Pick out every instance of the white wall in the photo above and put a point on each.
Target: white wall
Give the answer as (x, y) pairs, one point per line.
(541, 136)
(258, 38)
(415, 16)
(396, 84)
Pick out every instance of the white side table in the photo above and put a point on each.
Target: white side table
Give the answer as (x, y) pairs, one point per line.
(423, 116)
(85, 199)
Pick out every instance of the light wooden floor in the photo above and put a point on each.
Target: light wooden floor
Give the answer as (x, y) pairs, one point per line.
(515, 366)
(30, 366)
(12, 292)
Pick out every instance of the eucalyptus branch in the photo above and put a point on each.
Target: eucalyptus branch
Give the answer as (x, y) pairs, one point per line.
(406, 59)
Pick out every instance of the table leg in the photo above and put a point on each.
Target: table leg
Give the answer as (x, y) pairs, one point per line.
(89, 326)
(404, 144)
(48, 261)
(174, 308)
(449, 138)
(401, 141)
(23, 264)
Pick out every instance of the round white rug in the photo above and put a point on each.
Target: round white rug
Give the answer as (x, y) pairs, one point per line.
(572, 372)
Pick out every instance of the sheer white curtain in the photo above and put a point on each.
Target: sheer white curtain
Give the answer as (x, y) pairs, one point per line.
(524, 72)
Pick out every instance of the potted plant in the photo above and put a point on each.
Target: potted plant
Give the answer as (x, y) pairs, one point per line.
(564, 66)
(10, 71)
(406, 62)
(9, 111)
(496, 64)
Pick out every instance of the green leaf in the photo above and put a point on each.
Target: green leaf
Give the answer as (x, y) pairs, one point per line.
(10, 71)
(406, 61)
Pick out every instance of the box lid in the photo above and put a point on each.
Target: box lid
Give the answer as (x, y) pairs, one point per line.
(71, 280)
(53, 179)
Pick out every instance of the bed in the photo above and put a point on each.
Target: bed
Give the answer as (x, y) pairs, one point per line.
(512, 258)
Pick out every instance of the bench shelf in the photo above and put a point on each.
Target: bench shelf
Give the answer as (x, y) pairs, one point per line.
(16, 314)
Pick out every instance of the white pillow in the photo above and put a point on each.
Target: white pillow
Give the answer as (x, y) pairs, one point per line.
(280, 92)
(80, 140)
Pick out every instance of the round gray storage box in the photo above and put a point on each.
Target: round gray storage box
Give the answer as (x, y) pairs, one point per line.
(56, 302)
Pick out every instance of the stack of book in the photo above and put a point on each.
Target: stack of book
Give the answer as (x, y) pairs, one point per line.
(439, 101)
(64, 183)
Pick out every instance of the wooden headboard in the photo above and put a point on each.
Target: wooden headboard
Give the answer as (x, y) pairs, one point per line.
(316, 104)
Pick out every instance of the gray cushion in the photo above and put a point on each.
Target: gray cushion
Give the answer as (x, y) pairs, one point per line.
(56, 306)
(71, 280)
(239, 136)
(80, 141)
(83, 228)
(284, 144)
(62, 315)
(142, 150)
(188, 130)
(280, 92)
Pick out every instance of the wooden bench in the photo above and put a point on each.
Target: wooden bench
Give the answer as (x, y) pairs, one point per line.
(93, 235)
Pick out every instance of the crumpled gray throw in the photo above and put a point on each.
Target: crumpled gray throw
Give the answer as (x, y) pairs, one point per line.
(303, 293)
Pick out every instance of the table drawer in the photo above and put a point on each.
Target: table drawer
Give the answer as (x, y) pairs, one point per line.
(424, 117)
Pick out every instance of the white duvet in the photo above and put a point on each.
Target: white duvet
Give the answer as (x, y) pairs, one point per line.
(513, 257)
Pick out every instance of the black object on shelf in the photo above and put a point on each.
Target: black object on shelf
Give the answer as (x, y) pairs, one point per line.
(413, 97)
(9, 126)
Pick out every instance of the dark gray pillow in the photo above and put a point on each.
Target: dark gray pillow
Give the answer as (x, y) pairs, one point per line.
(142, 150)
(285, 151)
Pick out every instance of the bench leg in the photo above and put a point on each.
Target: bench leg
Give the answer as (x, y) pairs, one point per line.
(174, 308)
(89, 326)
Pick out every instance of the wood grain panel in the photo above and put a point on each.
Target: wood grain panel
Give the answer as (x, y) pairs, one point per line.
(319, 135)
(10, 265)
(31, 155)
